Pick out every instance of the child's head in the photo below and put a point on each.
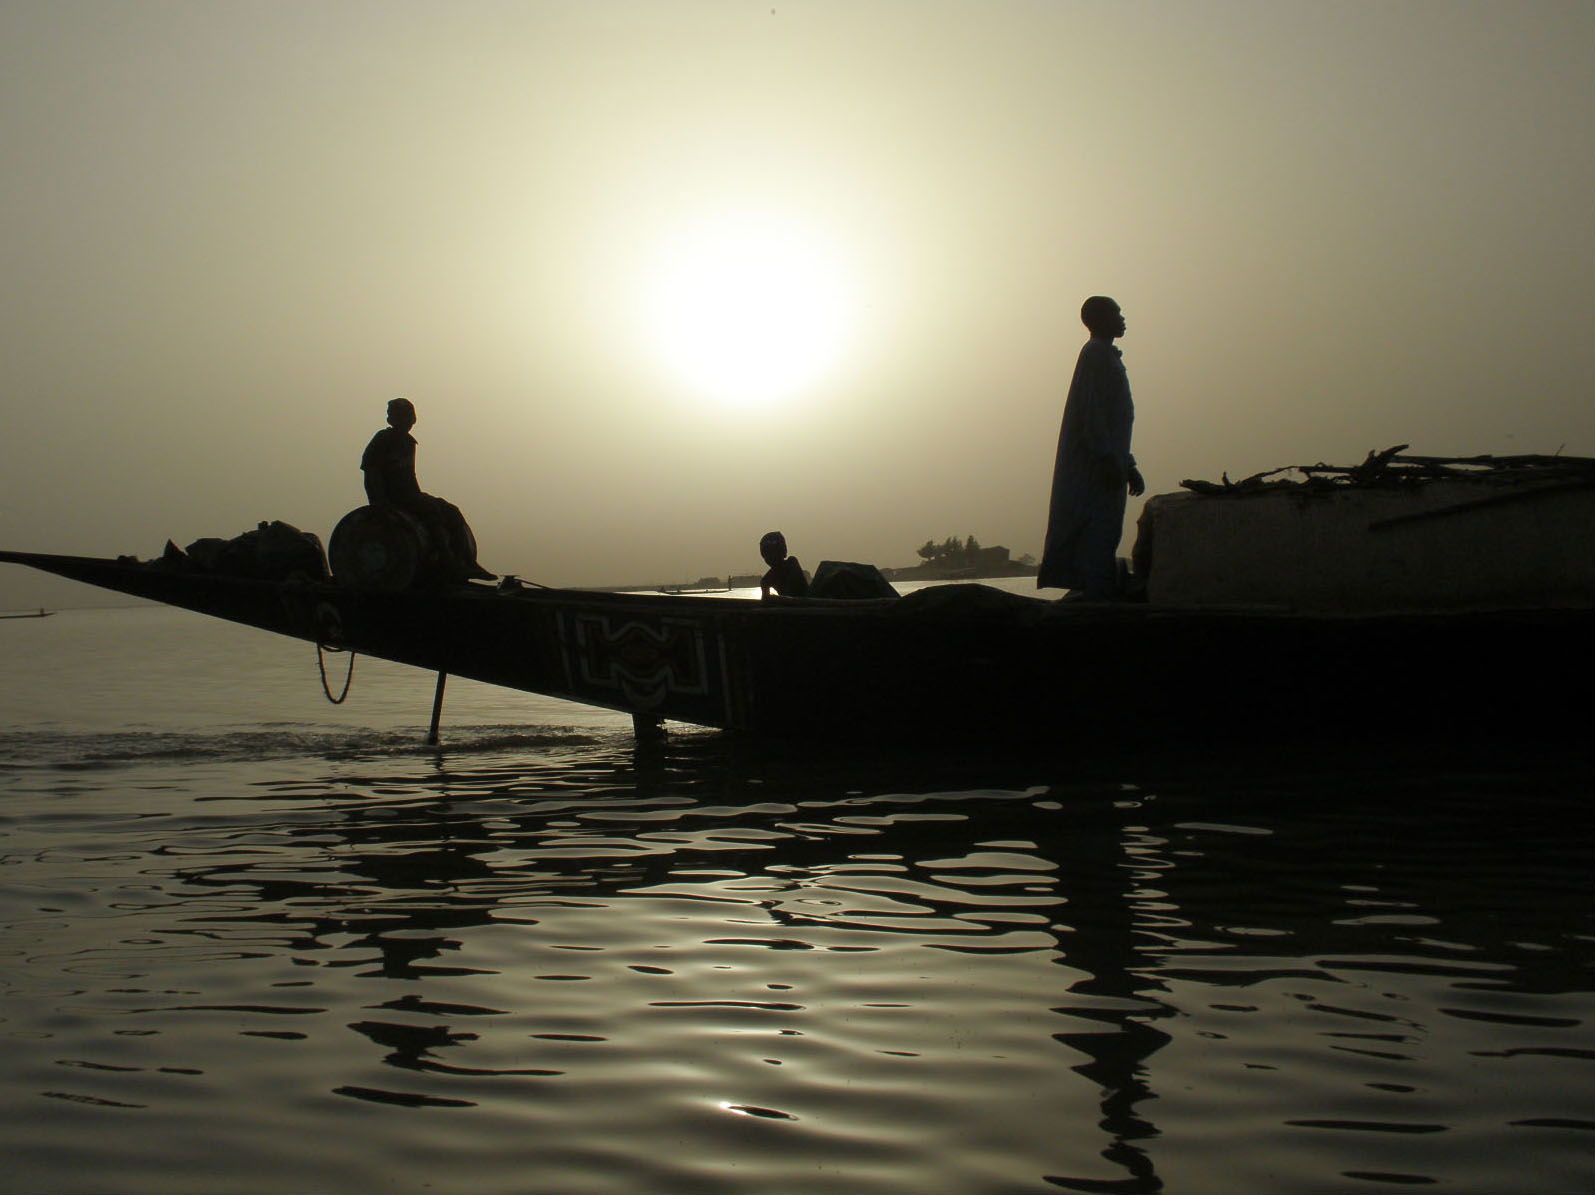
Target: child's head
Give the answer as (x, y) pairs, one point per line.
(773, 548)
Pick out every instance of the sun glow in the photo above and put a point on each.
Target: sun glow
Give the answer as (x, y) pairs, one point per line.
(749, 313)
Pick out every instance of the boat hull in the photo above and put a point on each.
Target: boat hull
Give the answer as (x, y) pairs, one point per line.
(953, 662)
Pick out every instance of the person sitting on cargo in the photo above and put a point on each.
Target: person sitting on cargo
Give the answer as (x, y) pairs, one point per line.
(389, 468)
(786, 576)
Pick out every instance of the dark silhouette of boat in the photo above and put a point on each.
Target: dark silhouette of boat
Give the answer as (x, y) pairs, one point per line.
(1403, 598)
(947, 662)
(41, 612)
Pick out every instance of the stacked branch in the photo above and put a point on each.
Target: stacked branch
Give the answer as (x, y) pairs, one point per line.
(1389, 469)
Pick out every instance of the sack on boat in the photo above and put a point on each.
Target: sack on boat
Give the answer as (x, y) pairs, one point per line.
(273, 551)
(279, 550)
(845, 579)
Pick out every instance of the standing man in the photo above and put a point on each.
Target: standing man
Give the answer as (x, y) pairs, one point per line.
(1094, 472)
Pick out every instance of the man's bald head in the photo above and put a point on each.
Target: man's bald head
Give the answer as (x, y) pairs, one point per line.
(1103, 316)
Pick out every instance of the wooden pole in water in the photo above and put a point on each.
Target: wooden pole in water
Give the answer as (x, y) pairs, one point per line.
(437, 710)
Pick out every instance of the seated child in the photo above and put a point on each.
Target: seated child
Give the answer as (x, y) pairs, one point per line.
(786, 574)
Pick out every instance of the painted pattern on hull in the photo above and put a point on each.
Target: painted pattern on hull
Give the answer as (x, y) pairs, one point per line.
(644, 664)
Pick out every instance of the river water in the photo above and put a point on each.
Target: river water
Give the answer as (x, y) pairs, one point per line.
(254, 942)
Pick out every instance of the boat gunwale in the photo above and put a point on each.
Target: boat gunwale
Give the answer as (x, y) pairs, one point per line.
(1010, 606)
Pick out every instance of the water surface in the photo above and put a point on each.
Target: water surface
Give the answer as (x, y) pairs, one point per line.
(256, 943)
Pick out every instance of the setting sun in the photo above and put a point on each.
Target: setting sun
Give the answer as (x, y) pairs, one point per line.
(749, 312)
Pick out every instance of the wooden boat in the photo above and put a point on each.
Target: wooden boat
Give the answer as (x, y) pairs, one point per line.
(1404, 598)
(950, 662)
(39, 613)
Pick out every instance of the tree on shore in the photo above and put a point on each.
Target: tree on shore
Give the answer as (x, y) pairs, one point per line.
(955, 556)
(951, 552)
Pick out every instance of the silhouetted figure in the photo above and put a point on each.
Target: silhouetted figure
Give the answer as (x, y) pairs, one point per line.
(389, 468)
(1094, 471)
(786, 574)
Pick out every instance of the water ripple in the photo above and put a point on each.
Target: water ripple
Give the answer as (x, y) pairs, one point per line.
(571, 966)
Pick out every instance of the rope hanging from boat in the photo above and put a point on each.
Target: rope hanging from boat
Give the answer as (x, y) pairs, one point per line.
(321, 666)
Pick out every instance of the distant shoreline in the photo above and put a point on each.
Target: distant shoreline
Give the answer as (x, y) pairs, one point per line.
(931, 572)
(918, 572)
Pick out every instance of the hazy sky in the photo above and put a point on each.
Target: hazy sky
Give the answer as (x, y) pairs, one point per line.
(661, 276)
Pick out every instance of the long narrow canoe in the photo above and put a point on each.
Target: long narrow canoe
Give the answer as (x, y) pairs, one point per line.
(949, 661)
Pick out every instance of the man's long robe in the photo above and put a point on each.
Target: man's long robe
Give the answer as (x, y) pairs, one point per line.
(1086, 517)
